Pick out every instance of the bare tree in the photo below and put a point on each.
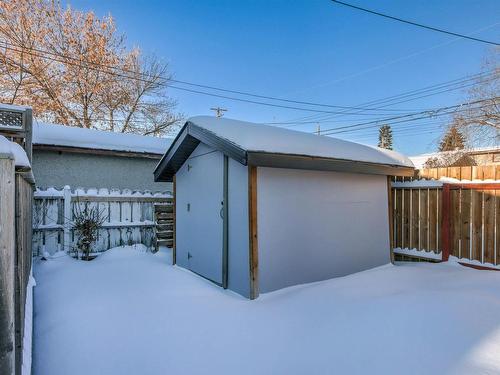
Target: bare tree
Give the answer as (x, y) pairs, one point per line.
(74, 69)
(481, 122)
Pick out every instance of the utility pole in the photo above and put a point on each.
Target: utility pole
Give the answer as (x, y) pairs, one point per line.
(219, 112)
(318, 129)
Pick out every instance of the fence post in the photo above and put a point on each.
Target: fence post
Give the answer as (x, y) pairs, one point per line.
(7, 265)
(67, 217)
(445, 226)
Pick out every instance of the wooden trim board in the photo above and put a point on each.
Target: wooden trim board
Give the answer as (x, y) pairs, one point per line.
(252, 222)
(391, 218)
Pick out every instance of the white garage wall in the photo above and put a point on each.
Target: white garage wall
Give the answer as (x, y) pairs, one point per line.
(238, 248)
(315, 225)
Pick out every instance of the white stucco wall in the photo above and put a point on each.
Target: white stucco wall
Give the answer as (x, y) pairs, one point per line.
(54, 169)
(315, 225)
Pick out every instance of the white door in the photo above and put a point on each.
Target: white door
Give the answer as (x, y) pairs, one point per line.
(202, 194)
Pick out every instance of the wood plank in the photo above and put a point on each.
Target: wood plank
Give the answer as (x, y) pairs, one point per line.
(497, 226)
(433, 212)
(398, 217)
(164, 208)
(406, 218)
(424, 220)
(475, 173)
(445, 222)
(415, 234)
(465, 220)
(488, 172)
(7, 266)
(477, 224)
(390, 200)
(466, 173)
(455, 223)
(104, 198)
(454, 172)
(442, 172)
(440, 219)
(489, 226)
(253, 235)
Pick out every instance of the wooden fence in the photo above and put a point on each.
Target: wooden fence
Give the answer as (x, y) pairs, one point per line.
(129, 218)
(16, 189)
(461, 220)
(16, 192)
(479, 172)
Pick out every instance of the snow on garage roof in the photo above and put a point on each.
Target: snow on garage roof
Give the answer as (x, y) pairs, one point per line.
(265, 145)
(69, 136)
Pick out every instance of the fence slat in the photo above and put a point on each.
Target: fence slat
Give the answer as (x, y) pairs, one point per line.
(465, 219)
(455, 227)
(423, 220)
(497, 226)
(129, 218)
(415, 235)
(432, 220)
(477, 221)
(489, 226)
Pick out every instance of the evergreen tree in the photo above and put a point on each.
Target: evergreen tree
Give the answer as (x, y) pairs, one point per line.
(452, 140)
(385, 137)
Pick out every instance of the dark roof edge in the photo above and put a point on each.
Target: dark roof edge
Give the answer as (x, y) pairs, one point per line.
(192, 135)
(277, 160)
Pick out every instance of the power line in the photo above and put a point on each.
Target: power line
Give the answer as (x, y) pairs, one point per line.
(79, 62)
(455, 84)
(429, 113)
(415, 23)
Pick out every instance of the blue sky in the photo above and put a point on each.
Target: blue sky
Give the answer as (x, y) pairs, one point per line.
(312, 51)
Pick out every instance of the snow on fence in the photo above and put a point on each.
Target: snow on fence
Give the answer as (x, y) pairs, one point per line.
(432, 218)
(129, 218)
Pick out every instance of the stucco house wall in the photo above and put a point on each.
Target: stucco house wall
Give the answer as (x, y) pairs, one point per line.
(60, 168)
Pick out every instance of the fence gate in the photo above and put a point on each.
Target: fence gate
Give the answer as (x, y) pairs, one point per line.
(471, 227)
(438, 220)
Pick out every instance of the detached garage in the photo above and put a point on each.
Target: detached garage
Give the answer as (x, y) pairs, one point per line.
(259, 208)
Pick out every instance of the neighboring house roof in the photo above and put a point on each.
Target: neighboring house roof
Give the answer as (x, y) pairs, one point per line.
(271, 146)
(419, 160)
(68, 137)
(15, 151)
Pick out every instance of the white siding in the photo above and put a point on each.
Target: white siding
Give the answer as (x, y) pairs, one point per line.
(315, 225)
(238, 250)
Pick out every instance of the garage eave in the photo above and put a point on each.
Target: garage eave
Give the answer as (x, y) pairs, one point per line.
(277, 160)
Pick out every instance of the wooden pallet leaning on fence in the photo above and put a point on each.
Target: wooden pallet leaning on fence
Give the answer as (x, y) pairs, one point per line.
(164, 225)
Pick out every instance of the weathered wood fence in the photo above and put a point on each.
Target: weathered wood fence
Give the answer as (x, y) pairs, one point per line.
(461, 220)
(129, 218)
(16, 192)
(477, 172)
(16, 189)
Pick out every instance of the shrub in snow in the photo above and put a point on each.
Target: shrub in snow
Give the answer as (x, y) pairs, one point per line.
(87, 221)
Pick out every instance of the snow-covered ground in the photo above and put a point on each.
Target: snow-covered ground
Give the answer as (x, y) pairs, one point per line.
(129, 312)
